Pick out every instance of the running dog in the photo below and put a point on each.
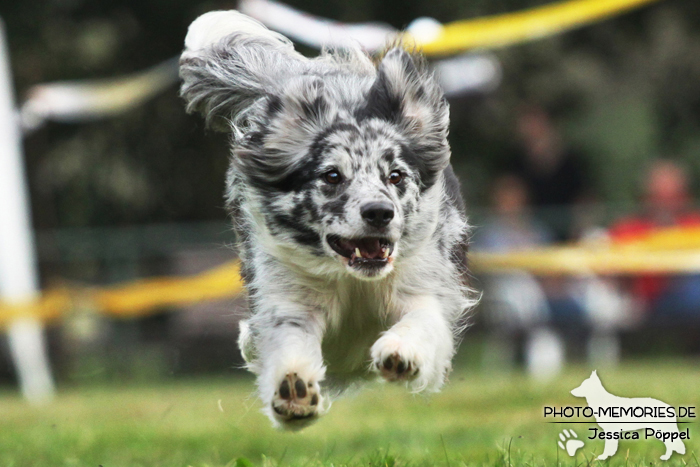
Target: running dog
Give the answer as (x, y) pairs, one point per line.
(348, 216)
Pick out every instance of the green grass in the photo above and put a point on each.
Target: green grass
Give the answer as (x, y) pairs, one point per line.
(480, 419)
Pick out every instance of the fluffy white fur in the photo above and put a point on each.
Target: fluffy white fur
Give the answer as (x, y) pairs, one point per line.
(212, 27)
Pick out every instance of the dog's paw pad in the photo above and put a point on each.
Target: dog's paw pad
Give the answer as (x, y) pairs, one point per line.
(395, 359)
(296, 399)
(397, 368)
(569, 443)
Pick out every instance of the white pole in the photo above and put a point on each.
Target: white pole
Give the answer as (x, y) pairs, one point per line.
(18, 273)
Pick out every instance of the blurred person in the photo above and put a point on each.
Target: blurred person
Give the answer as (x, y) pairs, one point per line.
(666, 299)
(512, 226)
(515, 301)
(556, 176)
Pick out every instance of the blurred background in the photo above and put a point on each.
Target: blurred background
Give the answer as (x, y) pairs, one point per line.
(579, 156)
(592, 135)
(587, 134)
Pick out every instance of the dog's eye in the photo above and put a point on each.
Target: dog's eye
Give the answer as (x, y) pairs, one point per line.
(395, 177)
(333, 177)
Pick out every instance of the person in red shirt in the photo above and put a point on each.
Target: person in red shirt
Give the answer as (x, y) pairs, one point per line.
(667, 203)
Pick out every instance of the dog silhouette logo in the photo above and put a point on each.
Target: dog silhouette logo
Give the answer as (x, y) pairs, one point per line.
(617, 416)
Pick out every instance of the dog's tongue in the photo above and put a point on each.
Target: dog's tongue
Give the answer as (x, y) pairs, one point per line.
(369, 247)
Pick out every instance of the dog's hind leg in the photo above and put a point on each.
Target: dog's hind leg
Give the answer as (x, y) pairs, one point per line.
(290, 368)
(418, 349)
(671, 446)
(678, 446)
(609, 450)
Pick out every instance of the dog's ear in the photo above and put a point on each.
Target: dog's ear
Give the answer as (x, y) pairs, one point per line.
(406, 93)
(294, 122)
(230, 63)
(305, 111)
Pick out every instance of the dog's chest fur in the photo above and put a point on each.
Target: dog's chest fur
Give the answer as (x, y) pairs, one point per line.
(358, 312)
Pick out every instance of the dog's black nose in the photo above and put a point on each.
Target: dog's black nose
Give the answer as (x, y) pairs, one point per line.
(377, 214)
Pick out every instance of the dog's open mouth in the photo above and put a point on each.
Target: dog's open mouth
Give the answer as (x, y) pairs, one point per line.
(366, 251)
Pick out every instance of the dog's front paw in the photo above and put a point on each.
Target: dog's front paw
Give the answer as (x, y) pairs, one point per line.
(297, 402)
(394, 359)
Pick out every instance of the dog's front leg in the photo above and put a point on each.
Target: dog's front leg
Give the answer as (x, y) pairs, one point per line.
(418, 349)
(609, 449)
(290, 366)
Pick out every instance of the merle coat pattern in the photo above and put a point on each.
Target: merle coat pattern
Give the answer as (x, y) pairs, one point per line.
(348, 215)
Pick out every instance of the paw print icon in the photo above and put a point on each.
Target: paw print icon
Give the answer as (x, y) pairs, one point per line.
(569, 443)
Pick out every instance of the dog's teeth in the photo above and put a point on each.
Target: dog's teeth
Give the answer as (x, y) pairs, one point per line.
(386, 252)
(358, 253)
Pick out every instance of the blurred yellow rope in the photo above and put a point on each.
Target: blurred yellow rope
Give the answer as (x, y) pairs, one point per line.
(673, 250)
(666, 251)
(133, 299)
(142, 296)
(512, 28)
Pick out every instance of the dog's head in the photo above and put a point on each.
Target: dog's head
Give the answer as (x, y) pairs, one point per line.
(339, 156)
(590, 387)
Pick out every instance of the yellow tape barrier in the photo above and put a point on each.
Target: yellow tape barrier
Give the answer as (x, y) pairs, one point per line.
(502, 30)
(133, 299)
(675, 250)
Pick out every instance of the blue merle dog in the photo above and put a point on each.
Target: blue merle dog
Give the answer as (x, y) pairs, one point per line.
(349, 220)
